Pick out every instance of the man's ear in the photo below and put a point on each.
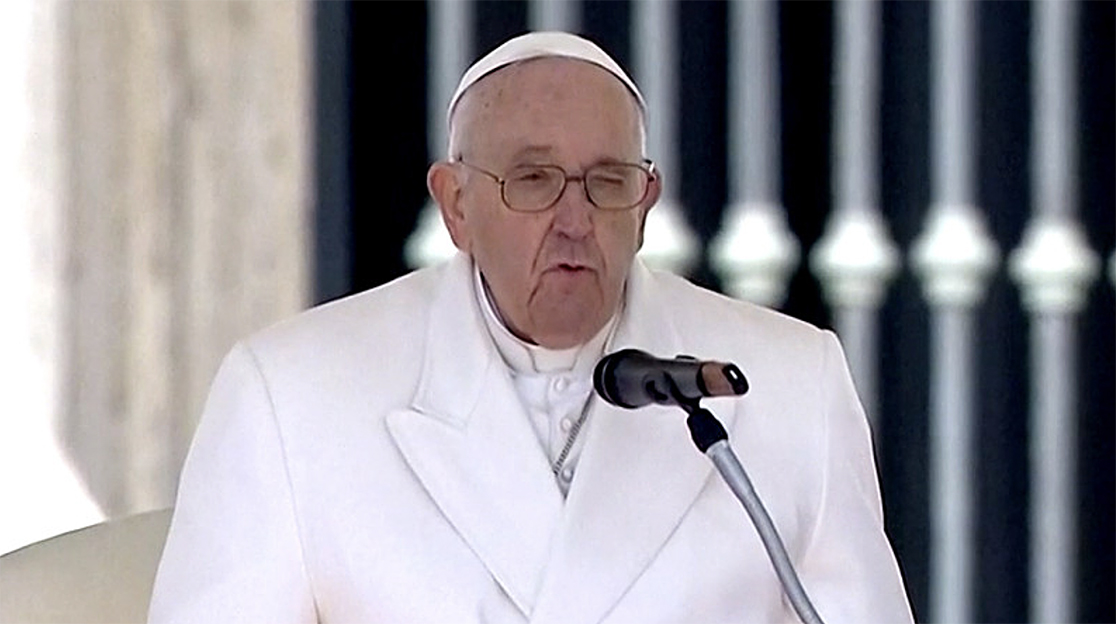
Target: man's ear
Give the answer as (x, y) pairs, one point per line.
(444, 184)
(654, 190)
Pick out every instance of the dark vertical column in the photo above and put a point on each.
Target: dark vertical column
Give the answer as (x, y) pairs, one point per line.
(702, 123)
(497, 21)
(1096, 544)
(333, 236)
(387, 131)
(608, 23)
(805, 44)
(1003, 181)
(904, 328)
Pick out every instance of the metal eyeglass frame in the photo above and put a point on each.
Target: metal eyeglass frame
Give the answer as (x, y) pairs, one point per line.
(647, 167)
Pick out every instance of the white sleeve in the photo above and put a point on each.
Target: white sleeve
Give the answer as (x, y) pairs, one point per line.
(234, 552)
(849, 569)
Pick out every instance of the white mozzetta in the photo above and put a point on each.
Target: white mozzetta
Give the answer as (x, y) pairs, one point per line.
(954, 256)
(1054, 266)
(855, 259)
(430, 243)
(755, 253)
(668, 242)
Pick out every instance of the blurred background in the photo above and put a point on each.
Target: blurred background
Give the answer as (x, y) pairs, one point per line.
(933, 180)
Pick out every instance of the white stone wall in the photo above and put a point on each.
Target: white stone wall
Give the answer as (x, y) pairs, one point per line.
(169, 148)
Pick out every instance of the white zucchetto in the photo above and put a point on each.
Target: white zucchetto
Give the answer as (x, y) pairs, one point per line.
(539, 45)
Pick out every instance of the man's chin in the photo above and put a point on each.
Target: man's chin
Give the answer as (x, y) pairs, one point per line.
(566, 327)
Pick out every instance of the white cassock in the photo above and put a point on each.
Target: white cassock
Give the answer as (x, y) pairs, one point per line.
(372, 460)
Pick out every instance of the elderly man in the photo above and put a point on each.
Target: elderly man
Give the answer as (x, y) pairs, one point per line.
(432, 451)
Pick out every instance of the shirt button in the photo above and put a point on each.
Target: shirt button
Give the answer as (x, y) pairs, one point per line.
(561, 384)
(566, 424)
(567, 474)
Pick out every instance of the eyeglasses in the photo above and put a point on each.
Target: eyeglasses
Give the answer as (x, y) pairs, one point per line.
(608, 186)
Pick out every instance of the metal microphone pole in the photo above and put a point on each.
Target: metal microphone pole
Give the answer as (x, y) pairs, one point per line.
(711, 439)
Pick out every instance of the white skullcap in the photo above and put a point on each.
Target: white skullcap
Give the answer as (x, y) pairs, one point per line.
(538, 45)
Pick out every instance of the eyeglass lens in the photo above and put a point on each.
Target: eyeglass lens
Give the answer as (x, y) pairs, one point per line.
(609, 186)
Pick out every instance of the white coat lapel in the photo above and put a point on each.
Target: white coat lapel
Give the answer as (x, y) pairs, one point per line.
(637, 477)
(471, 445)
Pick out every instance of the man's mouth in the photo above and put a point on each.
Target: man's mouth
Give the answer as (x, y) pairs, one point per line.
(569, 268)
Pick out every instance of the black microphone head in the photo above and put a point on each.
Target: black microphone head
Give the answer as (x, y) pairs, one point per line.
(607, 383)
(632, 378)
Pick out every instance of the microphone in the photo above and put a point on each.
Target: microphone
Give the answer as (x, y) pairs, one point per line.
(632, 378)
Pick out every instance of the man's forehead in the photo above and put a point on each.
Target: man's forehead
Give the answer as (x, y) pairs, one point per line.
(542, 45)
(523, 99)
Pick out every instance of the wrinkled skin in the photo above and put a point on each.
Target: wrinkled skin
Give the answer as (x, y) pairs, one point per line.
(556, 276)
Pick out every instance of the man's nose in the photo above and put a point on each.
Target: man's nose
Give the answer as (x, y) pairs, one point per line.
(573, 212)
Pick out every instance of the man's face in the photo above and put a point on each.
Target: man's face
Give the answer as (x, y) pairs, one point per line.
(557, 275)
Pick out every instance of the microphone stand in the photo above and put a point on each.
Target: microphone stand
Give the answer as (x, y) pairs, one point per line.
(711, 439)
